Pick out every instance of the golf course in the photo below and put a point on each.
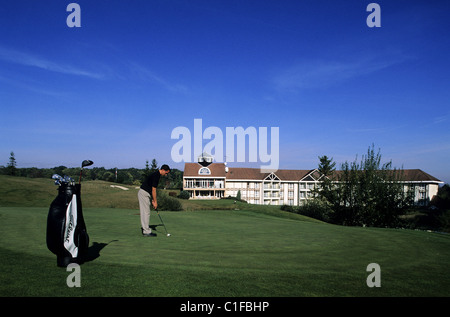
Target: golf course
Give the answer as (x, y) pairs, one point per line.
(219, 248)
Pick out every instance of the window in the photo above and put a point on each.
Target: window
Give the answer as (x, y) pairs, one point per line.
(204, 171)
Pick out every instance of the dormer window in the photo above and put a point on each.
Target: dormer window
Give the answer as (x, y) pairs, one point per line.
(204, 171)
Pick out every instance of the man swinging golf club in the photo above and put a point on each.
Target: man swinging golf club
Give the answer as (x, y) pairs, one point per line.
(147, 193)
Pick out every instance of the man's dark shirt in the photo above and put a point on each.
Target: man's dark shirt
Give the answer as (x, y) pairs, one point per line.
(151, 181)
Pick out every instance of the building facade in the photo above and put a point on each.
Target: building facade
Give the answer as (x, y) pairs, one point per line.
(283, 187)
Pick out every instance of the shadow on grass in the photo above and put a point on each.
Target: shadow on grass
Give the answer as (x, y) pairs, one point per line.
(153, 227)
(94, 250)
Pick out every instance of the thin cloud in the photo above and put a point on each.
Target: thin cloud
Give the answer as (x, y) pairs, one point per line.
(441, 119)
(32, 86)
(376, 129)
(26, 59)
(320, 74)
(145, 74)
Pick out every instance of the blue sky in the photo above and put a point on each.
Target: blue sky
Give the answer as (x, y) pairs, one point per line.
(114, 89)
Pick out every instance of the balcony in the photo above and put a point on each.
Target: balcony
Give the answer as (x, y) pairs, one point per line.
(272, 186)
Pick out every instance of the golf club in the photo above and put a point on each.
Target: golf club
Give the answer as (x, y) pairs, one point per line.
(68, 180)
(84, 164)
(167, 234)
(59, 180)
(57, 177)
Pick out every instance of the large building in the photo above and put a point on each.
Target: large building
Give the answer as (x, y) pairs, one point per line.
(283, 187)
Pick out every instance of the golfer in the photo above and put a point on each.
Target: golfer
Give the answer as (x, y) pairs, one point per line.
(146, 193)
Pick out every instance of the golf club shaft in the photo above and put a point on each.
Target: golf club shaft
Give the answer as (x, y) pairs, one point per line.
(161, 220)
(83, 164)
(81, 172)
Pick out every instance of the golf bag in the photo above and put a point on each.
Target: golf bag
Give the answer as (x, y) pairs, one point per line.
(66, 230)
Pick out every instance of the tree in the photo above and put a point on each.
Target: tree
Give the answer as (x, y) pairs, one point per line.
(370, 193)
(146, 172)
(59, 169)
(154, 166)
(442, 199)
(108, 176)
(326, 165)
(326, 168)
(364, 193)
(11, 168)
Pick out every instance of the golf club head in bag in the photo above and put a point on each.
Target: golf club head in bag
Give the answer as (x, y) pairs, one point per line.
(86, 163)
(67, 236)
(83, 165)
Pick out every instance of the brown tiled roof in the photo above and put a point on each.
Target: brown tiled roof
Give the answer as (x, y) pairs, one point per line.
(217, 170)
(416, 175)
(245, 173)
(409, 175)
(235, 173)
(292, 175)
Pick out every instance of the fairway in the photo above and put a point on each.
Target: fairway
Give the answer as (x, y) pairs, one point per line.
(221, 253)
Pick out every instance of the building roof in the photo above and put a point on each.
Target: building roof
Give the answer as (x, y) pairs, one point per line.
(246, 173)
(192, 169)
(417, 175)
(293, 175)
(409, 175)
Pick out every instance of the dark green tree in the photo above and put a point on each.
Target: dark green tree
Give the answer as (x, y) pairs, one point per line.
(326, 165)
(146, 171)
(11, 167)
(327, 169)
(442, 199)
(154, 166)
(149, 169)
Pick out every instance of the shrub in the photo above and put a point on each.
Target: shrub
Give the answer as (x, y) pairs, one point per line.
(184, 194)
(317, 208)
(287, 208)
(166, 202)
(234, 198)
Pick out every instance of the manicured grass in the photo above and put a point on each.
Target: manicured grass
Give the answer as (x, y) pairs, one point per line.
(221, 253)
(217, 248)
